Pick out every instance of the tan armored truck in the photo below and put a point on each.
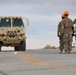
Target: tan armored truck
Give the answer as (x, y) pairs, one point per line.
(12, 33)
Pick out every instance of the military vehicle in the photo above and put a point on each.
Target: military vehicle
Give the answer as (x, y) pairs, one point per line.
(12, 33)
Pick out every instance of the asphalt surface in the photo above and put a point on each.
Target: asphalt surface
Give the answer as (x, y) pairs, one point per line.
(37, 62)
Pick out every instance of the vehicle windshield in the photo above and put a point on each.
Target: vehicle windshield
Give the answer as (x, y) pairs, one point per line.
(17, 22)
(5, 22)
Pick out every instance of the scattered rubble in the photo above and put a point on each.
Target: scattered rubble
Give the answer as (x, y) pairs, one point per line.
(50, 47)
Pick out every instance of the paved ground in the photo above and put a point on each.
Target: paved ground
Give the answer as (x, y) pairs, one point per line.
(37, 62)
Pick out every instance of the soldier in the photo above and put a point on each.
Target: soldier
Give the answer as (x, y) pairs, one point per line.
(60, 33)
(67, 38)
(74, 29)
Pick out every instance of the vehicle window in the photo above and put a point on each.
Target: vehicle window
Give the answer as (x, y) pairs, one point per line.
(5, 22)
(17, 22)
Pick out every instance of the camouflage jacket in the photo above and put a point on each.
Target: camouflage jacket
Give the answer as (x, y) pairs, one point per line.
(60, 28)
(68, 24)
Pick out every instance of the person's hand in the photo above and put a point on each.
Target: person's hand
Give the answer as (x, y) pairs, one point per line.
(58, 35)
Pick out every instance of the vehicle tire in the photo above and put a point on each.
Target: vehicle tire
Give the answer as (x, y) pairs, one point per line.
(0, 48)
(17, 48)
(23, 46)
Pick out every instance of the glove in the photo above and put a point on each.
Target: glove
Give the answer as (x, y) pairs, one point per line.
(58, 35)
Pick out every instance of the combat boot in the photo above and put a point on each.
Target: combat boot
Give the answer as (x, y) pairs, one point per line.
(66, 52)
(69, 51)
(61, 51)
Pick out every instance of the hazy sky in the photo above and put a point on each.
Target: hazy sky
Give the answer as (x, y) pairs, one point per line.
(44, 16)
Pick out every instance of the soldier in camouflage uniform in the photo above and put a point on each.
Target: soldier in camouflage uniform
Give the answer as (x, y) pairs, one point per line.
(60, 33)
(67, 38)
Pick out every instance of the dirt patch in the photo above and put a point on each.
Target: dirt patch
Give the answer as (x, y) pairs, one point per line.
(26, 57)
(31, 60)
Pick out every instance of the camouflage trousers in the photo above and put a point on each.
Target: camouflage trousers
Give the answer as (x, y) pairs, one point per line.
(67, 39)
(61, 47)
